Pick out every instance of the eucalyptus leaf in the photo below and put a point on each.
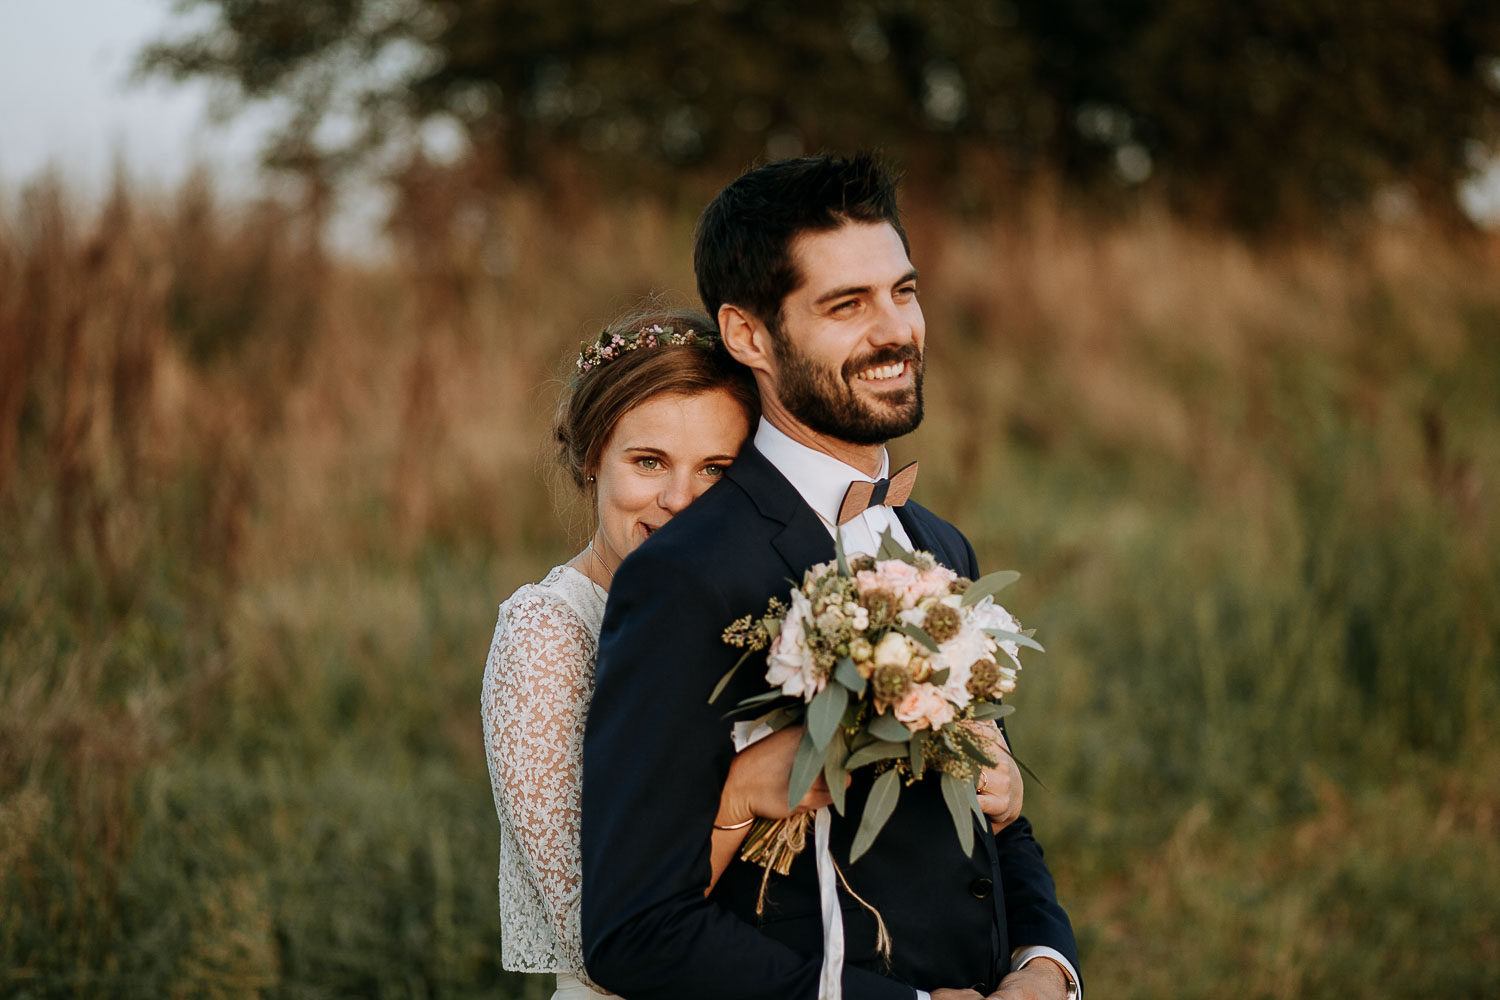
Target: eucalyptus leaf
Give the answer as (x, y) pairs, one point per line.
(878, 809)
(888, 727)
(984, 711)
(847, 674)
(773, 626)
(841, 559)
(824, 713)
(724, 681)
(779, 718)
(917, 755)
(956, 795)
(916, 634)
(1020, 639)
(805, 768)
(835, 771)
(871, 752)
(940, 677)
(988, 586)
(974, 806)
(892, 549)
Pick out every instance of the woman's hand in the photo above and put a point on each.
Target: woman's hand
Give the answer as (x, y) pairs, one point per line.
(758, 780)
(1000, 788)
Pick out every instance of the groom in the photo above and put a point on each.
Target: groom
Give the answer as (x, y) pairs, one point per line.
(804, 263)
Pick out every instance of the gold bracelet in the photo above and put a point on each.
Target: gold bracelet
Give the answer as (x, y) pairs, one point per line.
(735, 826)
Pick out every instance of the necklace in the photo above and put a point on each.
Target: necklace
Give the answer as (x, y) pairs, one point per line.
(602, 564)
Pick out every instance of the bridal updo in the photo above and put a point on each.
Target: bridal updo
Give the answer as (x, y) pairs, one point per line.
(635, 359)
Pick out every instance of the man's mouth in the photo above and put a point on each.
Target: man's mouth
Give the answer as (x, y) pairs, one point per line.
(882, 373)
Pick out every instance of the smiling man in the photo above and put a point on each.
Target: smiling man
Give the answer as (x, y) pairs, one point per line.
(806, 266)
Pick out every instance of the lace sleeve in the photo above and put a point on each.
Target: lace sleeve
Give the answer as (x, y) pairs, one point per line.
(537, 684)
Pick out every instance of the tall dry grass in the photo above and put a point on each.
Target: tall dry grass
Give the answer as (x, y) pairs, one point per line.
(259, 505)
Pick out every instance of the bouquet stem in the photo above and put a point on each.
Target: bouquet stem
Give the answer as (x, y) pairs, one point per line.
(775, 843)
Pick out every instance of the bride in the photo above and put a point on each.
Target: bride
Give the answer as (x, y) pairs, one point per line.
(655, 414)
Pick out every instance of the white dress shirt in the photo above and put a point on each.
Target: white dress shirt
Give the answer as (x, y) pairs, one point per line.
(822, 480)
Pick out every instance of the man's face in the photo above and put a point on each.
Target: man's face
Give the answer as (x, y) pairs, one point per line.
(849, 349)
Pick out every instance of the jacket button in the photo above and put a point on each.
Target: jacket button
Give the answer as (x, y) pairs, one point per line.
(981, 887)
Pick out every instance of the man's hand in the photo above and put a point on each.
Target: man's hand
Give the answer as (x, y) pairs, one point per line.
(1000, 786)
(1040, 979)
(955, 995)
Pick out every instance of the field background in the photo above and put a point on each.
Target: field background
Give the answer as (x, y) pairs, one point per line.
(258, 505)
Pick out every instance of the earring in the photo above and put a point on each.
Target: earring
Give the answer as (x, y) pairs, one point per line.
(591, 479)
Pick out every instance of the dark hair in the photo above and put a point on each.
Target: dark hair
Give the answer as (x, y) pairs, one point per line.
(742, 244)
(594, 402)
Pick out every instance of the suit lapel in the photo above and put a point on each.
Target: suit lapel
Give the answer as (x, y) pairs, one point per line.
(914, 519)
(801, 539)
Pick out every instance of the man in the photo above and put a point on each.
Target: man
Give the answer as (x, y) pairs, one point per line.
(805, 265)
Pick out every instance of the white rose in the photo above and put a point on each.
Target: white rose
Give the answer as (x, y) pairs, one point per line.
(893, 651)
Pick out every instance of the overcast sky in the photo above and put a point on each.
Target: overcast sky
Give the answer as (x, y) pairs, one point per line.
(66, 101)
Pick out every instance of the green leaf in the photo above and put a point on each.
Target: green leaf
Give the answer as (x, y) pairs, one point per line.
(878, 809)
(939, 677)
(824, 713)
(754, 702)
(843, 562)
(892, 549)
(835, 771)
(871, 752)
(917, 755)
(916, 634)
(984, 711)
(724, 681)
(805, 768)
(888, 727)
(781, 717)
(847, 674)
(773, 627)
(988, 586)
(956, 795)
(974, 806)
(1001, 635)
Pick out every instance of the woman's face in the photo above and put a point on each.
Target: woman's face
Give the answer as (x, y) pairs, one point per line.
(661, 457)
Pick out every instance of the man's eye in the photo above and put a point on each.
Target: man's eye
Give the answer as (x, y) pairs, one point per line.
(714, 471)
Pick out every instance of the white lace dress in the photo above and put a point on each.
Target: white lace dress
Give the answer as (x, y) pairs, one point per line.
(538, 680)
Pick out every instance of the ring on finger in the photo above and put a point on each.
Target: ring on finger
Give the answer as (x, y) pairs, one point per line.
(984, 780)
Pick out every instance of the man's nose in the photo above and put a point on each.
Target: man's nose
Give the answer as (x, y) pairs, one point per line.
(895, 324)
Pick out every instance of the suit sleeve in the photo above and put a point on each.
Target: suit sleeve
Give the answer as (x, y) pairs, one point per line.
(656, 755)
(1032, 913)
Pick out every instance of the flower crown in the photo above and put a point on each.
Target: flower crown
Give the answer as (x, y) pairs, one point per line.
(613, 343)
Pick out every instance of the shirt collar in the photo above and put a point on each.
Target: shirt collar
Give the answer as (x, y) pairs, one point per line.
(821, 479)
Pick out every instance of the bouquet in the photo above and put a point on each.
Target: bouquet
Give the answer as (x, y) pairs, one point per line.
(887, 661)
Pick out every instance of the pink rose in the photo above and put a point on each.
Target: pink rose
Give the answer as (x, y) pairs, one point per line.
(924, 707)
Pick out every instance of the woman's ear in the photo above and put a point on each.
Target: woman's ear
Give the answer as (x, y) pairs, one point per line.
(745, 338)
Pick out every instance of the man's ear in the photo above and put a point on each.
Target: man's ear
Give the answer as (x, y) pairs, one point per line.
(745, 338)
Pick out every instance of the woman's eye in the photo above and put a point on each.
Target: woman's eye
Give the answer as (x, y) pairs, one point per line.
(649, 462)
(714, 471)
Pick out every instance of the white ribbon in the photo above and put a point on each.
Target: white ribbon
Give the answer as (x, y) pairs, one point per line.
(830, 982)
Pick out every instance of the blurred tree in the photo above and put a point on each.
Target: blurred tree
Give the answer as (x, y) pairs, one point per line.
(1264, 111)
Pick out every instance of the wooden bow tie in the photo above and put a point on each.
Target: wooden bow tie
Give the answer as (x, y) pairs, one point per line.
(892, 492)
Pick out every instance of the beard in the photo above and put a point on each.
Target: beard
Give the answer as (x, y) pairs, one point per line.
(825, 400)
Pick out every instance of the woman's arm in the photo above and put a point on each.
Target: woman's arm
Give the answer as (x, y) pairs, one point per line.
(537, 683)
(756, 788)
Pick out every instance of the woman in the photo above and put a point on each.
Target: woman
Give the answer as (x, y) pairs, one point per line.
(655, 415)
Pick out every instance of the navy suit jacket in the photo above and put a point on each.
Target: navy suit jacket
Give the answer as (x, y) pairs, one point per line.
(656, 755)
